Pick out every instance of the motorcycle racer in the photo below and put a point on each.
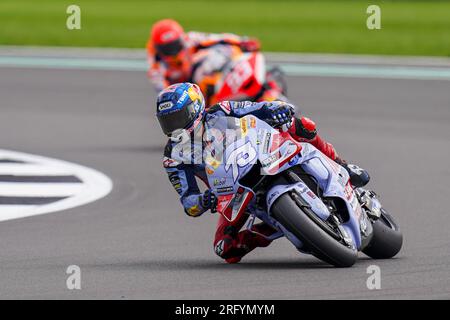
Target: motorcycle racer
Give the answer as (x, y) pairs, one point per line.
(182, 116)
(170, 51)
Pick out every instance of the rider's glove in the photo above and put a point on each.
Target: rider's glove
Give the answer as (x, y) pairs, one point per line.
(279, 116)
(250, 45)
(209, 200)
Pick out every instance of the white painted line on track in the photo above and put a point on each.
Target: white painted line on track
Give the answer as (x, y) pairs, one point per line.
(17, 189)
(12, 210)
(29, 187)
(31, 170)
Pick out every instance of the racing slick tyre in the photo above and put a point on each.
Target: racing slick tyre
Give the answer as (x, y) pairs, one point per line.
(387, 239)
(312, 231)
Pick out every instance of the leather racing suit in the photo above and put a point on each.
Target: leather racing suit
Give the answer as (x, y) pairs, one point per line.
(163, 73)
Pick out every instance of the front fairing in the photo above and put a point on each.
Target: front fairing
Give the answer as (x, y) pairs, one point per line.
(235, 145)
(333, 179)
(232, 147)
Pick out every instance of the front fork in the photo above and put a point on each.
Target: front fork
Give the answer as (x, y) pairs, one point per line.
(371, 212)
(369, 202)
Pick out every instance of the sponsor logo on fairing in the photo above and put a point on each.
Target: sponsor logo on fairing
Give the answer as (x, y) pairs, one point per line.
(269, 161)
(244, 128)
(219, 182)
(225, 190)
(266, 143)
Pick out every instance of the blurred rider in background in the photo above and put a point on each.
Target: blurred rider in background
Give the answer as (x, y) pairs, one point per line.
(170, 51)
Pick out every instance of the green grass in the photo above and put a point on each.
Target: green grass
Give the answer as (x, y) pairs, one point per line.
(408, 27)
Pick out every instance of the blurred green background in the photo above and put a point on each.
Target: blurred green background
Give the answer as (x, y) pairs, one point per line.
(408, 27)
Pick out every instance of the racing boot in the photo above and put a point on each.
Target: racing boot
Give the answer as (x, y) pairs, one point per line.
(358, 176)
(234, 246)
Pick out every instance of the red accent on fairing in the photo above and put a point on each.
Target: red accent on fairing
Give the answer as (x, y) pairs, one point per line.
(243, 208)
(223, 203)
(282, 137)
(226, 208)
(348, 190)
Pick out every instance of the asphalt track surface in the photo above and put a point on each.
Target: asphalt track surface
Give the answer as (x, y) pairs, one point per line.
(137, 242)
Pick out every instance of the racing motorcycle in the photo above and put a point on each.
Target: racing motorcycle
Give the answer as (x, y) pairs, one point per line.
(227, 73)
(304, 195)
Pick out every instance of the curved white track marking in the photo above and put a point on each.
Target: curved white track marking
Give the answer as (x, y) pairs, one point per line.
(32, 185)
(29, 169)
(17, 189)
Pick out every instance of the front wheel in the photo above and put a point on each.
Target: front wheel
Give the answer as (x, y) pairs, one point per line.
(315, 235)
(387, 239)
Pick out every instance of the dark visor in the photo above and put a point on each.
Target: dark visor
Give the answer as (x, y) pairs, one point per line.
(171, 48)
(177, 120)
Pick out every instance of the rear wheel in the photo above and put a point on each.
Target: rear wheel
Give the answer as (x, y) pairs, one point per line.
(387, 239)
(317, 235)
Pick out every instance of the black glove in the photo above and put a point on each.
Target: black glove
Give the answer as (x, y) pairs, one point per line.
(209, 200)
(278, 115)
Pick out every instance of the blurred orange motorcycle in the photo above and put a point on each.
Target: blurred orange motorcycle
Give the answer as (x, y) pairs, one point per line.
(225, 72)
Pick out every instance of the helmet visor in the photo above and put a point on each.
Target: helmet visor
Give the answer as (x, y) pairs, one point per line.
(171, 48)
(179, 119)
